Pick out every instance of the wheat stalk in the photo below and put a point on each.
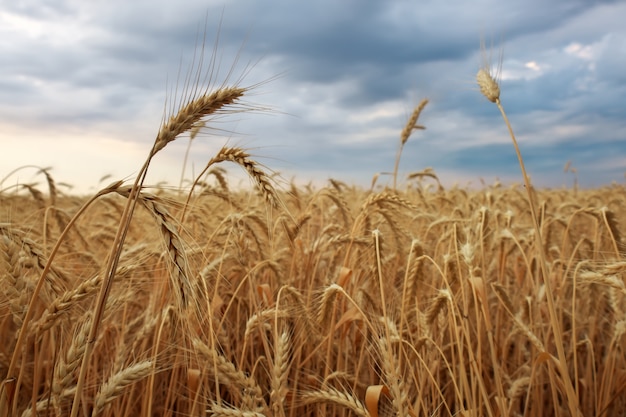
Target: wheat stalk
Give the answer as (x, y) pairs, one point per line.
(490, 88)
(410, 126)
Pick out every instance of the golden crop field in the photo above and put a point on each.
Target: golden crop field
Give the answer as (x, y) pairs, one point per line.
(411, 300)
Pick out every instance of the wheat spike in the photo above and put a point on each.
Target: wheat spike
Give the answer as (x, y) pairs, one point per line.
(191, 114)
(118, 382)
(488, 86)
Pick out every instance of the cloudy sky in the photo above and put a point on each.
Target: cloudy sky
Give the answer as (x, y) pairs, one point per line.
(84, 84)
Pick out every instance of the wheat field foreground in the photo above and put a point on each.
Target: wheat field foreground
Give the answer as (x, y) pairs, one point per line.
(411, 300)
(426, 300)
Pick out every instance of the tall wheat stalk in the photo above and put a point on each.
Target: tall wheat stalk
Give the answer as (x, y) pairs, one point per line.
(490, 88)
(410, 126)
(185, 119)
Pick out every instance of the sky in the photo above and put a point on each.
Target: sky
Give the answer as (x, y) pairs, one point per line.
(85, 85)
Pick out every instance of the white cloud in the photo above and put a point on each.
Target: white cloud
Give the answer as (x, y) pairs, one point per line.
(585, 52)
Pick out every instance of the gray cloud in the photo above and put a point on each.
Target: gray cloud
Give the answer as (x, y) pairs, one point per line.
(343, 77)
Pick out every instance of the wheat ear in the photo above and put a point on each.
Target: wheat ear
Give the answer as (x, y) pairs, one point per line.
(217, 410)
(333, 396)
(192, 113)
(280, 372)
(242, 158)
(118, 382)
(227, 373)
(65, 370)
(410, 126)
(61, 305)
(180, 282)
(13, 281)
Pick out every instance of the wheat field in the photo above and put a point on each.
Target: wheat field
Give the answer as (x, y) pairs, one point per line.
(406, 300)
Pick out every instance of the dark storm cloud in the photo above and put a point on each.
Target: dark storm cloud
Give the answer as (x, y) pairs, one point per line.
(344, 77)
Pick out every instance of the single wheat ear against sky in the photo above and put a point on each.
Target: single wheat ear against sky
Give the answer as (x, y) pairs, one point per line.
(84, 87)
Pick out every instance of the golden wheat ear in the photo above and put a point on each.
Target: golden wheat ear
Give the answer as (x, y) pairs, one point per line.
(193, 112)
(488, 78)
(488, 85)
(410, 126)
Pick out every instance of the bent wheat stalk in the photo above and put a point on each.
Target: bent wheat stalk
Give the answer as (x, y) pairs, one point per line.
(242, 158)
(186, 117)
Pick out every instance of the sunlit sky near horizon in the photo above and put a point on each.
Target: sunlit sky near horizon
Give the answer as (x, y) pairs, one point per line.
(84, 86)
